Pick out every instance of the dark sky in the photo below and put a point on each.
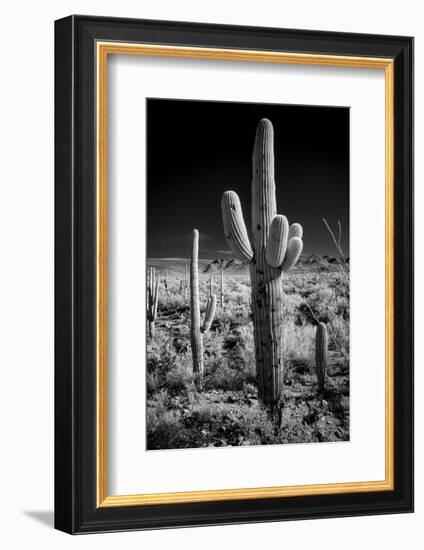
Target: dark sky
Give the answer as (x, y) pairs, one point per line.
(196, 150)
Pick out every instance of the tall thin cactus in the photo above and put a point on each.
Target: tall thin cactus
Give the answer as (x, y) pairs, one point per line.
(222, 286)
(321, 354)
(197, 329)
(186, 280)
(152, 300)
(274, 249)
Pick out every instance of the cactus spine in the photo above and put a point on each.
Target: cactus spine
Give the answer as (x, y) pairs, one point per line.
(197, 330)
(275, 248)
(321, 354)
(152, 300)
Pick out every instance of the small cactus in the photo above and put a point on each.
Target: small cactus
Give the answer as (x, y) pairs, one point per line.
(197, 330)
(321, 354)
(152, 300)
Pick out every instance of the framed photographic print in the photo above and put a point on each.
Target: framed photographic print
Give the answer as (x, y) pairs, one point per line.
(233, 268)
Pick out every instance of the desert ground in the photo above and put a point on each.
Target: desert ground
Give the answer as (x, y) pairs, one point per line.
(225, 411)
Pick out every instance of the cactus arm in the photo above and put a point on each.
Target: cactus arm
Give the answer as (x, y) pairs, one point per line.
(294, 250)
(235, 228)
(321, 354)
(295, 230)
(209, 314)
(277, 241)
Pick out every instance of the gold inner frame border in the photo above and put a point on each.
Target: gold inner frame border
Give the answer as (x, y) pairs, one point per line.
(103, 50)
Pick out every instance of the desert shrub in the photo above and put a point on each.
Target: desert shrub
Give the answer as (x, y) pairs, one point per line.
(213, 342)
(180, 376)
(161, 356)
(152, 384)
(220, 324)
(292, 303)
(230, 361)
(250, 390)
(221, 425)
(219, 376)
(168, 365)
(240, 347)
(181, 342)
(329, 300)
(157, 406)
(173, 304)
(298, 344)
(339, 341)
(166, 431)
(340, 330)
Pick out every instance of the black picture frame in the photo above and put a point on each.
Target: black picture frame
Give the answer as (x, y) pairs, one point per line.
(76, 509)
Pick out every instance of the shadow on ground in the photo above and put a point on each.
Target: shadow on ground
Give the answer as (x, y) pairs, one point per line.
(46, 517)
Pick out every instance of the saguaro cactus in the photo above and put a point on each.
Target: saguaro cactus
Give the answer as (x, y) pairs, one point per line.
(152, 300)
(321, 354)
(275, 248)
(197, 330)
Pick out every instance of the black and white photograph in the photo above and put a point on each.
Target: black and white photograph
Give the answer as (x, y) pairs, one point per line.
(247, 274)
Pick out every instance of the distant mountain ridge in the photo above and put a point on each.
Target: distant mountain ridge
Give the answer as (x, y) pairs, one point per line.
(312, 261)
(324, 262)
(226, 263)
